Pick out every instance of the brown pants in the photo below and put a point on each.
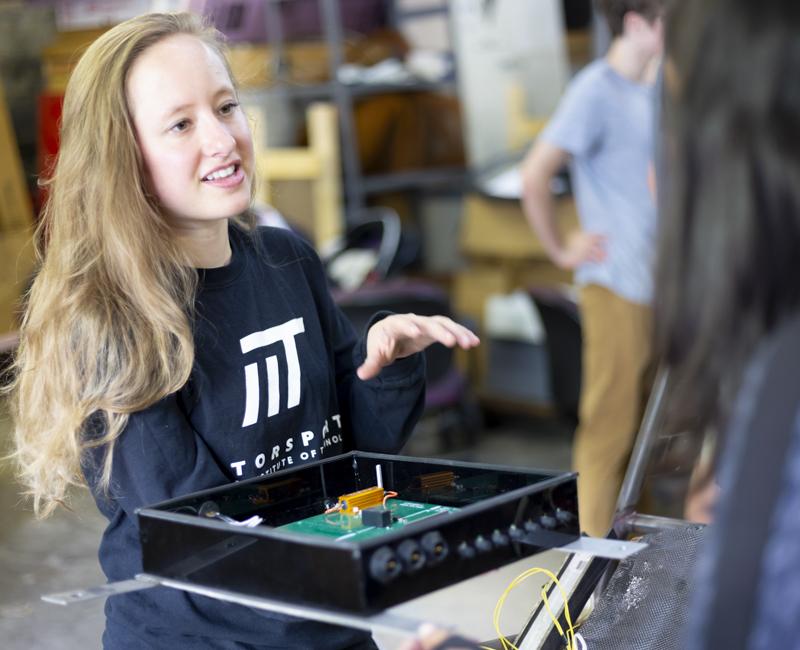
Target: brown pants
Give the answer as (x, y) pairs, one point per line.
(617, 376)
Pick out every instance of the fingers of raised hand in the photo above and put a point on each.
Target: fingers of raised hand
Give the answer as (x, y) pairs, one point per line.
(453, 333)
(401, 335)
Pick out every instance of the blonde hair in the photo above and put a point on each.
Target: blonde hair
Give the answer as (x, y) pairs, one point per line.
(107, 327)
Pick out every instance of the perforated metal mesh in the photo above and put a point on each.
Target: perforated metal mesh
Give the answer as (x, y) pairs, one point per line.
(645, 604)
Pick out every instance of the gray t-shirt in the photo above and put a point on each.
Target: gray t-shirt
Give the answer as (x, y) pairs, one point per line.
(605, 122)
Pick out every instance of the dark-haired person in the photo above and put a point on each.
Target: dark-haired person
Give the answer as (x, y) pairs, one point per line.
(727, 306)
(604, 128)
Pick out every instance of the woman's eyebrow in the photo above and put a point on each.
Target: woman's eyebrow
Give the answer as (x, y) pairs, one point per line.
(222, 90)
(177, 109)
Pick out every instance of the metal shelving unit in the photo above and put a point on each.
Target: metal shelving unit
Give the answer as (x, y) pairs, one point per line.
(357, 186)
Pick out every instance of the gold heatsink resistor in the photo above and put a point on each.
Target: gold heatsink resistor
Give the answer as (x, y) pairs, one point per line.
(437, 480)
(353, 503)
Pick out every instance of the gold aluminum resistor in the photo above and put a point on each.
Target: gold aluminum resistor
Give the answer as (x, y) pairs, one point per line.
(437, 480)
(351, 504)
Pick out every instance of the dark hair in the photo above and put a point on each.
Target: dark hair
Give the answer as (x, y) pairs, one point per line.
(615, 10)
(730, 233)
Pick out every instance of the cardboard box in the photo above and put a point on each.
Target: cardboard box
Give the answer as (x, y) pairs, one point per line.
(252, 64)
(498, 228)
(471, 287)
(503, 255)
(60, 57)
(304, 62)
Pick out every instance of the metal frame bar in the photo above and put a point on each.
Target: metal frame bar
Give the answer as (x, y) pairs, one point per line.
(334, 35)
(646, 439)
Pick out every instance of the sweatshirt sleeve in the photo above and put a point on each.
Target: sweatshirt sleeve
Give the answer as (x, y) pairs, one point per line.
(157, 457)
(383, 410)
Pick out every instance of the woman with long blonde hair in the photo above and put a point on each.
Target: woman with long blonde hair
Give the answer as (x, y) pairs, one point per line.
(170, 346)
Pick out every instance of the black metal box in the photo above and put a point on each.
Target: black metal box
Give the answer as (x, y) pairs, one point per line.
(495, 516)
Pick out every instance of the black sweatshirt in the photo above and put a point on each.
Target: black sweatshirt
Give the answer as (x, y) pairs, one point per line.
(273, 386)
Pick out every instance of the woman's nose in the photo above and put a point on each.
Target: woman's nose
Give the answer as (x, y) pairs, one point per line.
(217, 140)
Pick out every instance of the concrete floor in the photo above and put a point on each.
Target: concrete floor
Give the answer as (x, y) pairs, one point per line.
(44, 557)
(59, 554)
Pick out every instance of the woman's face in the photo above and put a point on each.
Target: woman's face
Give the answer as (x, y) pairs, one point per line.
(193, 135)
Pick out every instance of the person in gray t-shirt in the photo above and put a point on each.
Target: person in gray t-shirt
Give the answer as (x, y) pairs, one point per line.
(603, 127)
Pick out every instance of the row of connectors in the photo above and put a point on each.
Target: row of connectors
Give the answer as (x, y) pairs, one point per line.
(500, 538)
(408, 556)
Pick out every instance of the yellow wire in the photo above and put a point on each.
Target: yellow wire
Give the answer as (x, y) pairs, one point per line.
(569, 635)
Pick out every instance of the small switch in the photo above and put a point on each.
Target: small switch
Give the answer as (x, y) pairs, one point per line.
(482, 544)
(515, 533)
(465, 551)
(548, 522)
(532, 526)
(564, 516)
(499, 539)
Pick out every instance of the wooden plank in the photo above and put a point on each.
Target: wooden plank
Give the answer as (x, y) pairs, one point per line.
(522, 128)
(319, 164)
(288, 164)
(16, 210)
(323, 136)
(16, 265)
(16, 228)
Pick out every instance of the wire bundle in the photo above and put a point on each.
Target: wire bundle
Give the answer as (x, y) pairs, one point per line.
(568, 635)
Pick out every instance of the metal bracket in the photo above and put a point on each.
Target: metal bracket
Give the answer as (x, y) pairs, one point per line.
(141, 581)
(387, 620)
(613, 549)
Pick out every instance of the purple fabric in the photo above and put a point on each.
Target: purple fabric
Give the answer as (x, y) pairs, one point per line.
(445, 392)
(245, 20)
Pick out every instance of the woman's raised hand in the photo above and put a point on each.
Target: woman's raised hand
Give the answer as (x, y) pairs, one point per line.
(401, 335)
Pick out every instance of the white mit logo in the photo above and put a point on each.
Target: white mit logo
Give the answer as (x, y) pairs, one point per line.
(285, 334)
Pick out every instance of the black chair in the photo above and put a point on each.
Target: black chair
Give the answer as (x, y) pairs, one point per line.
(447, 397)
(562, 325)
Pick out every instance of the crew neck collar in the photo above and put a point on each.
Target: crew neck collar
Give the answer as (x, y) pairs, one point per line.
(224, 275)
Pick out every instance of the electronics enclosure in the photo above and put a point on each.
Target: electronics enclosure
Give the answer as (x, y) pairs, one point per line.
(505, 513)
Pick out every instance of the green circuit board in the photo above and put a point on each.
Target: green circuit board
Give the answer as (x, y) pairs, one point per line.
(341, 527)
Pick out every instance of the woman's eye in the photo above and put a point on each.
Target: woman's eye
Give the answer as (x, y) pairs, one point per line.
(228, 108)
(180, 126)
